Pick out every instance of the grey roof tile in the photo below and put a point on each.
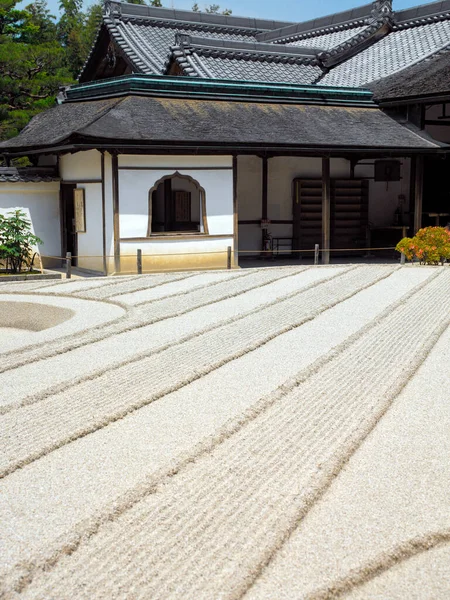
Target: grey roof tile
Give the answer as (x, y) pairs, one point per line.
(257, 70)
(398, 50)
(326, 41)
(150, 42)
(145, 119)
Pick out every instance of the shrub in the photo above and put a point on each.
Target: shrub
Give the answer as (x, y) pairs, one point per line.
(16, 242)
(430, 246)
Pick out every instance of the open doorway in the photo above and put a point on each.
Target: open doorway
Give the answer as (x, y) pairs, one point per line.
(436, 191)
(69, 235)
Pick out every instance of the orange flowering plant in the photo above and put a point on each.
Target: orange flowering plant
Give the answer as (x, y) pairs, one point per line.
(430, 246)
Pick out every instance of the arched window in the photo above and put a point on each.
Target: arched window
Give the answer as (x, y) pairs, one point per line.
(177, 204)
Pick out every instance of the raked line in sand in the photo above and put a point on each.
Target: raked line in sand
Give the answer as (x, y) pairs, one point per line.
(220, 304)
(388, 504)
(162, 435)
(210, 530)
(34, 430)
(134, 319)
(416, 570)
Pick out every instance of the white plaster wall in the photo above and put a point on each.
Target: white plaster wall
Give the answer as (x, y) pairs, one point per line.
(159, 247)
(40, 201)
(80, 166)
(177, 162)
(90, 243)
(249, 187)
(134, 187)
(109, 212)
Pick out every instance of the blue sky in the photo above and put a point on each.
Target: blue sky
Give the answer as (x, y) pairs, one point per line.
(285, 10)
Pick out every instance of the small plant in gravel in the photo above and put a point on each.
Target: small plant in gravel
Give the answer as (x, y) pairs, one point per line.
(431, 246)
(16, 242)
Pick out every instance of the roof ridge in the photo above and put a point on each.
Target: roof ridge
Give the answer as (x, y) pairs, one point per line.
(422, 14)
(327, 24)
(380, 26)
(117, 9)
(244, 45)
(187, 46)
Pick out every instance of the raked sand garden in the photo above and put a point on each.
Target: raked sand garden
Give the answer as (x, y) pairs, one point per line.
(278, 433)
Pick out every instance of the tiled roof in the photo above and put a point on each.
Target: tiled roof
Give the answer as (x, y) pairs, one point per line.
(141, 119)
(398, 50)
(327, 41)
(257, 70)
(352, 48)
(226, 59)
(426, 78)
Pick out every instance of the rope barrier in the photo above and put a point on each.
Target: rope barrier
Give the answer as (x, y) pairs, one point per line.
(254, 252)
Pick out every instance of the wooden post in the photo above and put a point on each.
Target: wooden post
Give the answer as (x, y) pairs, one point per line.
(235, 211)
(418, 194)
(105, 264)
(265, 187)
(139, 261)
(229, 257)
(68, 265)
(316, 254)
(326, 210)
(116, 213)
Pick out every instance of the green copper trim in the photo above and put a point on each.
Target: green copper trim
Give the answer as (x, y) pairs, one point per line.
(187, 87)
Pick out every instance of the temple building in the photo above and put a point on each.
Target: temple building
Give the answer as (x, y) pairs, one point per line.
(192, 133)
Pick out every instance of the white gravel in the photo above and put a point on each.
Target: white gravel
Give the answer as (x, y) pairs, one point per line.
(113, 351)
(209, 530)
(164, 431)
(88, 314)
(176, 287)
(231, 436)
(393, 490)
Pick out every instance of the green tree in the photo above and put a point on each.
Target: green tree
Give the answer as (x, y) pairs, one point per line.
(32, 69)
(16, 242)
(212, 9)
(92, 20)
(157, 3)
(70, 34)
(41, 27)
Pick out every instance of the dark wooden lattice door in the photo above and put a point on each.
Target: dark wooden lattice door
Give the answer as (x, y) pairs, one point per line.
(349, 213)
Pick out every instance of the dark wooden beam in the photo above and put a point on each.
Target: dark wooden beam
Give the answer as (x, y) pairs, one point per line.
(116, 213)
(326, 210)
(418, 193)
(105, 266)
(265, 188)
(438, 123)
(235, 212)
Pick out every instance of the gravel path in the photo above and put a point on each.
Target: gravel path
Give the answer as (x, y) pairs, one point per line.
(224, 302)
(162, 435)
(36, 429)
(182, 467)
(366, 524)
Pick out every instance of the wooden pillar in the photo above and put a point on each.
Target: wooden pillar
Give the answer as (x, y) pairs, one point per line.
(265, 187)
(116, 213)
(326, 210)
(418, 193)
(235, 213)
(105, 264)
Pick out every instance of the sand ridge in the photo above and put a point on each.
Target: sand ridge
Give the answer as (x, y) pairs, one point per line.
(209, 525)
